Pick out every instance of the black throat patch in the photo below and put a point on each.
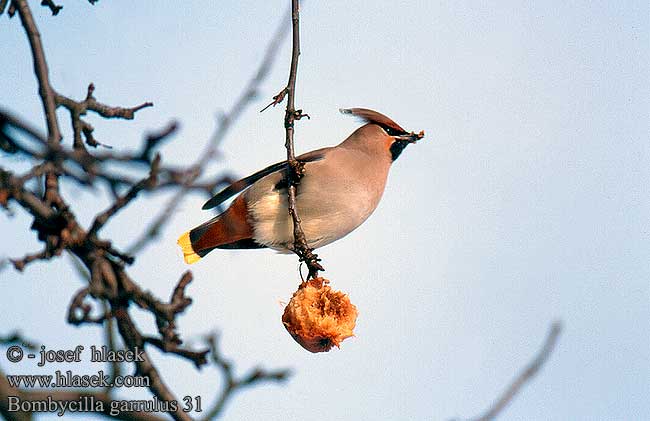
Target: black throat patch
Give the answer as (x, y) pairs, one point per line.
(397, 147)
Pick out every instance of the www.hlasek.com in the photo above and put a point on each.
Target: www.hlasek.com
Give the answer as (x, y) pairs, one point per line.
(67, 379)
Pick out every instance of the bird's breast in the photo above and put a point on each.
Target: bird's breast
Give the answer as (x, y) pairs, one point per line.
(333, 198)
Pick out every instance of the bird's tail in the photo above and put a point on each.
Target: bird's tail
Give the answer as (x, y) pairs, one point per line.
(230, 230)
(189, 255)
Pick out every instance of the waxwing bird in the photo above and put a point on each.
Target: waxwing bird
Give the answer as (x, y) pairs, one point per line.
(341, 187)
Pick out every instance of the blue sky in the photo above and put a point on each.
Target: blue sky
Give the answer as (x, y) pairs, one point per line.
(527, 202)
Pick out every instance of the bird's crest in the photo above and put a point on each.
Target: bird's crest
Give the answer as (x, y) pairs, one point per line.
(370, 116)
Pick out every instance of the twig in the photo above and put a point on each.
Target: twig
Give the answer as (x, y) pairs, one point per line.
(199, 358)
(79, 108)
(54, 8)
(112, 273)
(92, 164)
(153, 139)
(231, 384)
(295, 169)
(525, 376)
(19, 264)
(16, 338)
(165, 313)
(77, 306)
(3, 5)
(145, 184)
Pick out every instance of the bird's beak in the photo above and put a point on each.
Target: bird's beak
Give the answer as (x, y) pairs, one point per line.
(410, 137)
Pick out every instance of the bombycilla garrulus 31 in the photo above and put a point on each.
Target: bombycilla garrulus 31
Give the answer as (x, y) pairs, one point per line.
(340, 188)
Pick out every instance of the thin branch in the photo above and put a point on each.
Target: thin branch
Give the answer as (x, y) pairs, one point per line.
(17, 338)
(295, 169)
(145, 184)
(3, 5)
(90, 103)
(199, 358)
(79, 311)
(231, 384)
(153, 139)
(62, 161)
(111, 274)
(20, 264)
(525, 376)
(54, 8)
(165, 313)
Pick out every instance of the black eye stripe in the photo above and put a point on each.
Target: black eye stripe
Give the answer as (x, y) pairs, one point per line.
(392, 132)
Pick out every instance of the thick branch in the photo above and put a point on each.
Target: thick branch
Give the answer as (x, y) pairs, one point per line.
(46, 93)
(40, 69)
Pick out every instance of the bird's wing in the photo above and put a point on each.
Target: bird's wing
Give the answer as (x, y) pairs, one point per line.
(244, 183)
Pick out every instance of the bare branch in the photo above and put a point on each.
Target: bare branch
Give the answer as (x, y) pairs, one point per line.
(231, 384)
(152, 140)
(199, 358)
(145, 184)
(295, 169)
(54, 8)
(80, 108)
(19, 264)
(16, 338)
(45, 92)
(3, 5)
(525, 376)
(40, 69)
(79, 306)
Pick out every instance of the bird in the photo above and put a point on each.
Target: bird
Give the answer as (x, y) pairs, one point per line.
(339, 189)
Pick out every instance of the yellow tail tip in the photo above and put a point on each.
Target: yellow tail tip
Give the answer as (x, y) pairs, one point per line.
(188, 252)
